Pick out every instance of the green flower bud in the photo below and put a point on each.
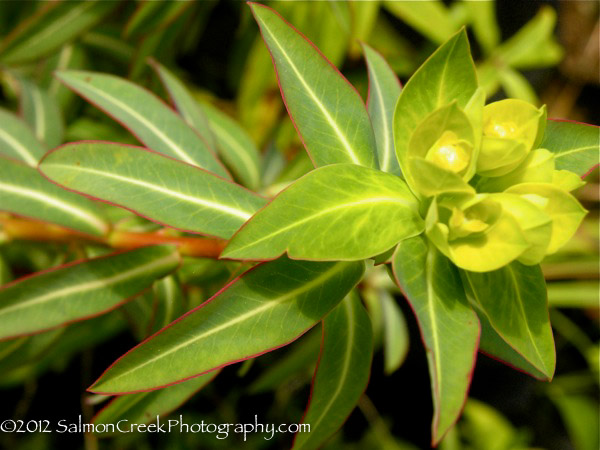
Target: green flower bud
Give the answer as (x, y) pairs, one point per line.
(511, 128)
(475, 232)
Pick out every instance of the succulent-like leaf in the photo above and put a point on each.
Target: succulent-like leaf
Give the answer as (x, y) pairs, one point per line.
(337, 212)
(266, 308)
(81, 289)
(449, 326)
(329, 114)
(26, 193)
(384, 90)
(17, 139)
(165, 190)
(342, 373)
(517, 312)
(576, 146)
(148, 118)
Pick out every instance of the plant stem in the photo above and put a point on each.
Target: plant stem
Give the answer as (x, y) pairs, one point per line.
(33, 230)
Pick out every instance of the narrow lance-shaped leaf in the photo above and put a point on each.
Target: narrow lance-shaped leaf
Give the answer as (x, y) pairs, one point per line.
(42, 113)
(164, 190)
(395, 337)
(17, 139)
(328, 112)
(168, 302)
(448, 75)
(384, 90)
(147, 117)
(144, 407)
(431, 18)
(576, 146)
(235, 146)
(54, 24)
(80, 290)
(517, 313)
(186, 105)
(449, 327)
(266, 308)
(336, 212)
(24, 192)
(342, 372)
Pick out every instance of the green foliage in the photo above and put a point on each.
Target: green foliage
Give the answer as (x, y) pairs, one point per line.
(424, 190)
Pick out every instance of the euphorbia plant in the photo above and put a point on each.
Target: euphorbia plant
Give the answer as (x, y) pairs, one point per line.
(461, 200)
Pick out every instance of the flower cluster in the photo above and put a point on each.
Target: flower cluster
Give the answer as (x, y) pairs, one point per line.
(490, 194)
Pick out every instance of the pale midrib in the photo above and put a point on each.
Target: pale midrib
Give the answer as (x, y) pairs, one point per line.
(321, 213)
(574, 150)
(91, 285)
(386, 139)
(63, 63)
(179, 195)
(268, 305)
(320, 105)
(67, 18)
(239, 150)
(149, 125)
(20, 149)
(346, 366)
(38, 110)
(524, 315)
(56, 203)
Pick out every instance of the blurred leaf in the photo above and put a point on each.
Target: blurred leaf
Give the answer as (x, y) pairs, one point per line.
(576, 145)
(139, 313)
(448, 75)
(516, 85)
(323, 117)
(150, 120)
(449, 327)
(53, 25)
(533, 45)
(17, 139)
(42, 113)
(301, 357)
(395, 343)
(5, 272)
(26, 349)
(235, 146)
(364, 16)
(581, 417)
(342, 372)
(70, 56)
(482, 16)
(26, 193)
(267, 307)
(574, 294)
(81, 289)
(331, 227)
(431, 18)
(150, 16)
(108, 44)
(168, 302)
(145, 407)
(190, 198)
(384, 90)
(518, 313)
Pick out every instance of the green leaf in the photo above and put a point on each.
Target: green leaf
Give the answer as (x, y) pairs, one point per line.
(186, 105)
(26, 193)
(189, 198)
(17, 139)
(483, 19)
(576, 145)
(79, 290)
(342, 373)
(518, 312)
(431, 18)
(52, 26)
(266, 308)
(328, 112)
(147, 117)
(384, 90)
(25, 350)
(235, 146)
(574, 294)
(42, 113)
(448, 75)
(516, 85)
(168, 302)
(580, 415)
(145, 407)
(449, 327)
(150, 16)
(395, 337)
(336, 212)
